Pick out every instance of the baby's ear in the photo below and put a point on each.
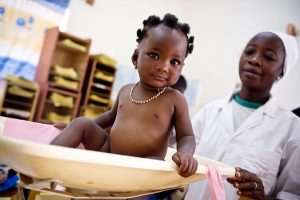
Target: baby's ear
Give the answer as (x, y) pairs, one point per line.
(134, 58)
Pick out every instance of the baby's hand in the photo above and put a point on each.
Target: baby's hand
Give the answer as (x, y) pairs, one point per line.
(187, 164)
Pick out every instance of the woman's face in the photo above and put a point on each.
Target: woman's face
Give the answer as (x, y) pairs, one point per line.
(262, 62)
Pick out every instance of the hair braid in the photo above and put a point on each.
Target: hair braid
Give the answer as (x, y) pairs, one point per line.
(170, 21)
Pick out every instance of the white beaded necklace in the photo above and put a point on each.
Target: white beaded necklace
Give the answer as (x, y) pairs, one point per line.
(148, 100)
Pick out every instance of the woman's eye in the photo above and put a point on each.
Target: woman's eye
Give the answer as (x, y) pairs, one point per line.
(249, 52)
(153, 55)
(269, 57)
(175, 62)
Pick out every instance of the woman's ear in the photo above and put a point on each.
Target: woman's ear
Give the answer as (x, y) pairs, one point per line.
(280, 75)
(134, 58)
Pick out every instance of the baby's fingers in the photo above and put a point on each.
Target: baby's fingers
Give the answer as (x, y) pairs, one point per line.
(180, 160)
(176, 159)
(191, 168)
(195, 166)
(184, 165)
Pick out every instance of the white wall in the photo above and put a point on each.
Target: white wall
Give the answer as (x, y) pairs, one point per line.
(220, 27)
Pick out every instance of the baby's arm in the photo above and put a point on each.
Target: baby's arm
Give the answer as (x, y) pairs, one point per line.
(185, 139)
(106, 119)
(184, 157)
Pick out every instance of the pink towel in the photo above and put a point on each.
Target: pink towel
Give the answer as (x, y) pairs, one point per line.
(32, 131)
(27, 130)
(216, 187)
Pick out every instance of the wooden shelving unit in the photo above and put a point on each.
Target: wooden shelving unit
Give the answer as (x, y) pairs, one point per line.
(61, 71)
(19, 97)
(98, 85)
(59, 106)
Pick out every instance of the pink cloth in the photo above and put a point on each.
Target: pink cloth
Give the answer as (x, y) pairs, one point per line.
(27, 130)
(216, 187)
(32, 131)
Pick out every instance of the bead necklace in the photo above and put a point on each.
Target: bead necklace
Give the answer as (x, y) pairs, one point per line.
(148, 100)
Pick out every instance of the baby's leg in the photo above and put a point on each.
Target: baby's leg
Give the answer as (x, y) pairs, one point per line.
(85, 131)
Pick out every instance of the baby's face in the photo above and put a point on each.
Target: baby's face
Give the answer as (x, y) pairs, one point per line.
(161, 56)
(262, 61)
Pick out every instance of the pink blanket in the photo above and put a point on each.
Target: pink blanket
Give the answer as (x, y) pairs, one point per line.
(216, 187)
(33, 131)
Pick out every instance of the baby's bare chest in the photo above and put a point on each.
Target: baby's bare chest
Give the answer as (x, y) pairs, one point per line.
(141, 129)
(151, 112)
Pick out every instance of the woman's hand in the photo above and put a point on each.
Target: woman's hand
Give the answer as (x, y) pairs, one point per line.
(187, 164)
(248, 184)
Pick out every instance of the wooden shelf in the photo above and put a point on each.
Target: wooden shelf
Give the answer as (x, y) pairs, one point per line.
(61, 69)
(15, 102)
(51, 111)
(64, 48)
(99, 83)
(18, 99)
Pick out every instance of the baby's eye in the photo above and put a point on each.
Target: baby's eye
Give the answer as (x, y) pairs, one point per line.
(175, 62)
(153, 55)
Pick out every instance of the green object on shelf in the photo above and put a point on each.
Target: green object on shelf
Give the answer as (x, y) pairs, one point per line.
(60, 81)
(61, 100)
(67, 72)
(105, 60)
(103, 76)
(18, 91)
(73, 45)
(57, 118)
(22, 82)
(99, 99)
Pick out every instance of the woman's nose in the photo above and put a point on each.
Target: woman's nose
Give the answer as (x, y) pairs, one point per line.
(255, 60)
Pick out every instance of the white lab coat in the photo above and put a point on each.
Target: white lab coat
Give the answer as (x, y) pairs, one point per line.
(262, 144)
(288, 184)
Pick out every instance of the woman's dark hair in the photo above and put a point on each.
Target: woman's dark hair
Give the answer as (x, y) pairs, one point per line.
(170, 21)
(181, 84)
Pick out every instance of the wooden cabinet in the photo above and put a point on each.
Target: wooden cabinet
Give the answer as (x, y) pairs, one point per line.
(63, 59)
(98, 85)
(61, 72)
(19, 97)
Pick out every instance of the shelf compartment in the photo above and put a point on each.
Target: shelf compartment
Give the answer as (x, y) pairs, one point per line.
(63, 103)
(92, 111)
(19, 97)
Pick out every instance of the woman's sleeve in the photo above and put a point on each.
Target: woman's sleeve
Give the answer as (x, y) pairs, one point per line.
(288, 182)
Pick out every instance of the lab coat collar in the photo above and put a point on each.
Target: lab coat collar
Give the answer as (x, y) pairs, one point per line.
(270, 107)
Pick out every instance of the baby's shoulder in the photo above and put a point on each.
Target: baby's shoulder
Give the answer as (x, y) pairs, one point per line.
(173, 93)
(126, 88)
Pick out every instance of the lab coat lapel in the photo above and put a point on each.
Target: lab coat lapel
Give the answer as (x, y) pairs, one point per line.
(256, 118)
(226, 118)
(253, 120)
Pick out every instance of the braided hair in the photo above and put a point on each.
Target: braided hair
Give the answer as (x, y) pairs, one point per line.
(170, 21)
